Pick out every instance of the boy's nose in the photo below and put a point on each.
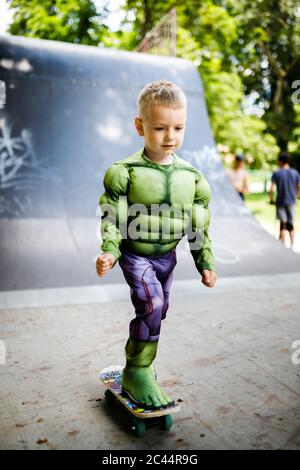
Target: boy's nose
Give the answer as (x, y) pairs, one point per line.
(169, 135)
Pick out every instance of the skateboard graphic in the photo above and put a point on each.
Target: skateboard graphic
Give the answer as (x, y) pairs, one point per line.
(111, 377)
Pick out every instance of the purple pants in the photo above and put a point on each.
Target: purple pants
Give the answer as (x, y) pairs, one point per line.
(150, 281)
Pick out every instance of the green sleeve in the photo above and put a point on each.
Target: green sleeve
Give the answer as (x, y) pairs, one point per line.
(200, 243)
(114, 208)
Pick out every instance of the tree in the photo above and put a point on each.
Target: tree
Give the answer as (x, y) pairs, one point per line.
(75, 21)
(147, 14)
(268, 56)
(225, 98)
(242, 48)
(208, 35)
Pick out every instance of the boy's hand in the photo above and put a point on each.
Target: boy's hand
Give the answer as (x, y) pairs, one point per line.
(209, 278)
(104, 263)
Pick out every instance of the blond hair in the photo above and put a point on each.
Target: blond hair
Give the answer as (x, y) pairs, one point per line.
(162, 92)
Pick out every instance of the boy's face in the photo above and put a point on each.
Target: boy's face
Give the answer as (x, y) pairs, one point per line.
(163, 129)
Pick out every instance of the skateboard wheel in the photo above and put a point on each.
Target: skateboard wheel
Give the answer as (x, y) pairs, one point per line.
(109, 396)
(167, 422)
(138, 427)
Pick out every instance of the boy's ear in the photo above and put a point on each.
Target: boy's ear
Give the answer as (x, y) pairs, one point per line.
(139, 126)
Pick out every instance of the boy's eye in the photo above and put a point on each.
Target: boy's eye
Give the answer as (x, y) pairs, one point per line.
(161, 128)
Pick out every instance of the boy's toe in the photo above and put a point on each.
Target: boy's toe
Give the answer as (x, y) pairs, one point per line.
(168, 399)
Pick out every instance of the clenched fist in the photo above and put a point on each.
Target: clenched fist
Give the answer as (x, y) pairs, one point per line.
(209, 278)
(104, 263)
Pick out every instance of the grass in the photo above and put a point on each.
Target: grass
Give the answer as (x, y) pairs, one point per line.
(265, 213)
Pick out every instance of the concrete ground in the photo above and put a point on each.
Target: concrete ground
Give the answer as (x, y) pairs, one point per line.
(273, 229)
(225, 353)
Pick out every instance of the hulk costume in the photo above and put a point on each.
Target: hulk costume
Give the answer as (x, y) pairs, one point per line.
(139, 194)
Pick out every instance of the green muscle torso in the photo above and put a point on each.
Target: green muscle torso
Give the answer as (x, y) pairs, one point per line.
(150, 207)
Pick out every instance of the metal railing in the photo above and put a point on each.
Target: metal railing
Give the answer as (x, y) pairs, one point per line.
(161, 40)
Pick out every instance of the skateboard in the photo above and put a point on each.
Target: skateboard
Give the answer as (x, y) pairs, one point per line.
(111, 377)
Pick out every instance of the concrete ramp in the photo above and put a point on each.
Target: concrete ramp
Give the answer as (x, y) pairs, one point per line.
(68, 115)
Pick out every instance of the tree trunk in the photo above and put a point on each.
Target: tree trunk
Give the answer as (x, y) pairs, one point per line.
(147, 24)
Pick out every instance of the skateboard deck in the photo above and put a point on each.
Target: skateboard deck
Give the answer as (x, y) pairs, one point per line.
(111, 377)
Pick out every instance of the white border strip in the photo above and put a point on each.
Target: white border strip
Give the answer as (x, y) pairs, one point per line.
(116, 292)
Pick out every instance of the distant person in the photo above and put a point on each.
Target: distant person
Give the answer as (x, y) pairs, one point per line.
(287, 183)
(239, 176)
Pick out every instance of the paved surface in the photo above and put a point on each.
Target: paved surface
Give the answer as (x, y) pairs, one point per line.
(113, 292)
(229, 353)
(273, 229)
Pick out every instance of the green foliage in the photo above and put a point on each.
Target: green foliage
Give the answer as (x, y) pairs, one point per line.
(212, 27)
(294, 144)
(126, 40)
(146, 13)
(231, 126)
(224, 97)
(75, 21)
(268, 55)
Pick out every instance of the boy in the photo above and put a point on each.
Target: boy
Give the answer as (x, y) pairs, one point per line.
(153, 176)
(287, 182)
